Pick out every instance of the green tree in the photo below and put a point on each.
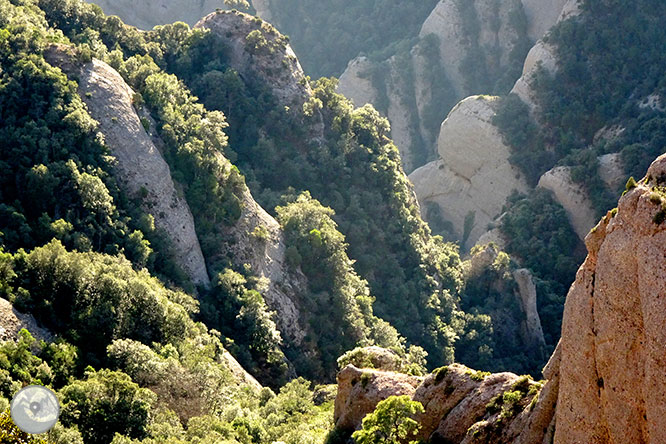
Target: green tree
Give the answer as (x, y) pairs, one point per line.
(391, 423)
(107, 403)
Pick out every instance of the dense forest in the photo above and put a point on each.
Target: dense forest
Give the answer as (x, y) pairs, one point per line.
(143, 354)
(140, 350)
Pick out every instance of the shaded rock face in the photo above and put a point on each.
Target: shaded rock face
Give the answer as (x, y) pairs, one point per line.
(141, 170)
(266, 256)
(572, 196)
(541, 16)
(355, 82)
(473, 176)
(613, 338)
(495, 31)
(531, 327)
(455, 401)
(12, 322)
(146, 14)
(429, 78)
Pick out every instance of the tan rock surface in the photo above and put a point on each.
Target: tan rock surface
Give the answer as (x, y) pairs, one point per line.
(531, 327)
(12, 322)
(572, 197)
(613, 336)
(454, 400)
(474, 174)
(355, 82)
(359, 392)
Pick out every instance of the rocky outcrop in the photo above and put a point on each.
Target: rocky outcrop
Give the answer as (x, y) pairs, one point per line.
(473, 178)
(612, 368)
(265, 56)
(143, 173)
(572, 196)
(496, 31)
(360, 390)
(12, 322)
(141, 170)
(430, 77)
(265, 254)
(356, 83)
(541, 55)
(531, 330)
(460, 404)
(146, 14)
(605, 378)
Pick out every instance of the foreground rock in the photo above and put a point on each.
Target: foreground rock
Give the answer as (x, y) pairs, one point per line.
(461, 405)
(613, 338)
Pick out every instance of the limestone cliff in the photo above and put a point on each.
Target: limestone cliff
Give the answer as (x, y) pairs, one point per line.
(462, 187)
(572, 197)
(473, 177)
(142, 171)
(489, 35)
(144, 174)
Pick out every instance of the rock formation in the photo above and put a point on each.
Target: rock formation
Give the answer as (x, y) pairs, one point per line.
(146, 175)
(12, 322)
(271, 60)
(531, 330)
(473, 178)
(572, 196)
(142, 171)
(355, 83)
(612, 367)
(461, 405)
(412, 94)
